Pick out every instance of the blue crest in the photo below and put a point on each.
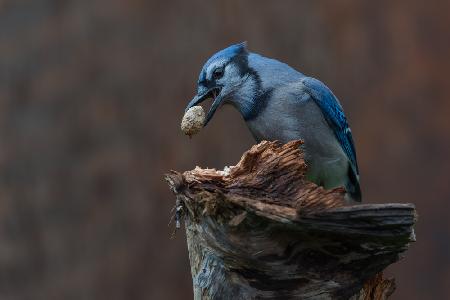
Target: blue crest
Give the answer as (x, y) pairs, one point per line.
(227, 54)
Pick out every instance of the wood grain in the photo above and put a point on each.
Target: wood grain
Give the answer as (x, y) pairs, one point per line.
(260, 230)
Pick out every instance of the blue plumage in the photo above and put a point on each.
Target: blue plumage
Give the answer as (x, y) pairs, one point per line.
(279, 103)
(223, 55)
(334, 114)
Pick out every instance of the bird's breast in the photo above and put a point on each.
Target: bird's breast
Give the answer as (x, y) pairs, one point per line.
(283, 120)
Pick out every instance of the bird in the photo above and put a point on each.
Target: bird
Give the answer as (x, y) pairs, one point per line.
(279, 103)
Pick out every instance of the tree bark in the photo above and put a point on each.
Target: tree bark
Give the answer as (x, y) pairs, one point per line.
(260, 230)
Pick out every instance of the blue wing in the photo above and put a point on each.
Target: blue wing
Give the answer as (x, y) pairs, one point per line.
(334, 115)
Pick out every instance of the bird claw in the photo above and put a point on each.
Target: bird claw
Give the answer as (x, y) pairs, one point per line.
(178, 213)
(177, 216)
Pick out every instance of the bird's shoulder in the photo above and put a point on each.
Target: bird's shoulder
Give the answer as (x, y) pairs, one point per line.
(307, 89)
(326, 100)
(293, 91)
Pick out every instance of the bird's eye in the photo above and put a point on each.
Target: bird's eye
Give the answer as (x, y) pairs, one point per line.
(218, 73)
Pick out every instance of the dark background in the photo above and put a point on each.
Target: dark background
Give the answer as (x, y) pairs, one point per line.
(91, 97)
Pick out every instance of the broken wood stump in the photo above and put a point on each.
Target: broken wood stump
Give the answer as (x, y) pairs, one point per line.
(260, 230)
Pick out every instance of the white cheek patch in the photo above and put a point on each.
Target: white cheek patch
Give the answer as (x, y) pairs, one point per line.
(232, 70)
(232, 75)
(248, 90)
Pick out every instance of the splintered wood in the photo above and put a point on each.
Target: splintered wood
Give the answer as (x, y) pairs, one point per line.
(272, 174)
(260, 230)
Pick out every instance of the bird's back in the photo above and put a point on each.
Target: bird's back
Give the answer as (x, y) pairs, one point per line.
(271, 72)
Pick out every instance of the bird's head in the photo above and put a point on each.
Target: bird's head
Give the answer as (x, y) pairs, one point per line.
(224, 78)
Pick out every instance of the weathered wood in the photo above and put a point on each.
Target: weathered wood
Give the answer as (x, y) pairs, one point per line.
(260, 230)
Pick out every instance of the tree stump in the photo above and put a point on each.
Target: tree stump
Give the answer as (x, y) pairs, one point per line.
(260, 230)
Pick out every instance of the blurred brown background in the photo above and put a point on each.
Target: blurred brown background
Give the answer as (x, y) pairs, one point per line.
(91, 96)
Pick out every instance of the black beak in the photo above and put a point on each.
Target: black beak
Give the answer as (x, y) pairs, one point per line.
(211, 93)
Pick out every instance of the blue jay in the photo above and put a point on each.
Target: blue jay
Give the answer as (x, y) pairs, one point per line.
(280, 103)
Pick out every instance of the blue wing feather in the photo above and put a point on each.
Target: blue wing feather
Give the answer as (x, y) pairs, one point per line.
(334, 115)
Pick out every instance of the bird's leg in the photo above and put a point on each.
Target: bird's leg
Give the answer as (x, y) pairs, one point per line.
(178, 208)
(178, 213)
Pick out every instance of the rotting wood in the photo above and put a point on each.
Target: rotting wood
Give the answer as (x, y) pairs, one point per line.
(260, 230)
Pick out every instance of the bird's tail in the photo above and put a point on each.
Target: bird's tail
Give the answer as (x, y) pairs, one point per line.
(352, 187)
